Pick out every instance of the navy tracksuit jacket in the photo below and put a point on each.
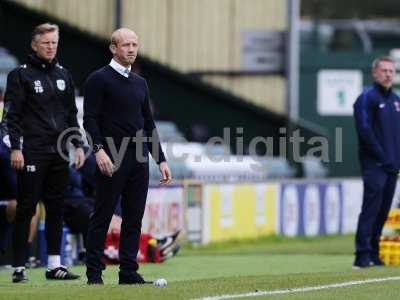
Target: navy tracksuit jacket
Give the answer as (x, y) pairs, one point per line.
(377, 116)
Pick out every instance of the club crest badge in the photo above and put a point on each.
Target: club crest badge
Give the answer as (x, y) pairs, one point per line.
(61, 84)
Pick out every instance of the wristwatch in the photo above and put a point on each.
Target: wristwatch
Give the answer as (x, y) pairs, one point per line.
(97, 148)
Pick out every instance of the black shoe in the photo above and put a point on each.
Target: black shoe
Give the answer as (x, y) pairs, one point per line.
(168, 240)
(95, 281)
(19, 276)
(132, 278)
(362, 261)
(61, 273)
(94, 278)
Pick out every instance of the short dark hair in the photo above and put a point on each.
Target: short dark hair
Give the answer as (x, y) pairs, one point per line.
(380, 59)
(44, 28)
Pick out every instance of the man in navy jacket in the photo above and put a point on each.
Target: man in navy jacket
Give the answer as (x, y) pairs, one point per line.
(117, 110)
(377, 116)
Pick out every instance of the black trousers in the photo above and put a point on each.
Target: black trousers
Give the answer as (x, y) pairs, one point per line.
(130, 183)
(44, 177)
(379, 188)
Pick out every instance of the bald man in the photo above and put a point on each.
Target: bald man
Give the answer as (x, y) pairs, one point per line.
(117, 116)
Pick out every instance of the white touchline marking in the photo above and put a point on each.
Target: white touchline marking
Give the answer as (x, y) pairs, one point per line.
(301, 289)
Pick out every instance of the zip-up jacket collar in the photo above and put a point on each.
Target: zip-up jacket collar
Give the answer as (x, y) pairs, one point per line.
(37, 62)
(384, 91)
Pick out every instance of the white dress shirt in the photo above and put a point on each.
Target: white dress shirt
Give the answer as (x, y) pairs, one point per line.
(124, 71)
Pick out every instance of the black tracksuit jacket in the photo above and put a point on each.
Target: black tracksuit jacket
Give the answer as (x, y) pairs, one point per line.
(39, 105)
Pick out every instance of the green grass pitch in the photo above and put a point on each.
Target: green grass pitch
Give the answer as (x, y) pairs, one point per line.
(270, 263)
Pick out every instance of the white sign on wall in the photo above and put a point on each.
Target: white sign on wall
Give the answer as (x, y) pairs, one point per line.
(164, 211)
(352, 201)
(337, 91)
(263, 51)
(311, 210)
(291, 209)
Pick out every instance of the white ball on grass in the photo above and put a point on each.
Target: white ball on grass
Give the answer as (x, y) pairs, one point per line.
(160, 282)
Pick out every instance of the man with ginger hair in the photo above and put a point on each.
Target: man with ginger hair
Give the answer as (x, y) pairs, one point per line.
(117, 115)
(377, 116)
